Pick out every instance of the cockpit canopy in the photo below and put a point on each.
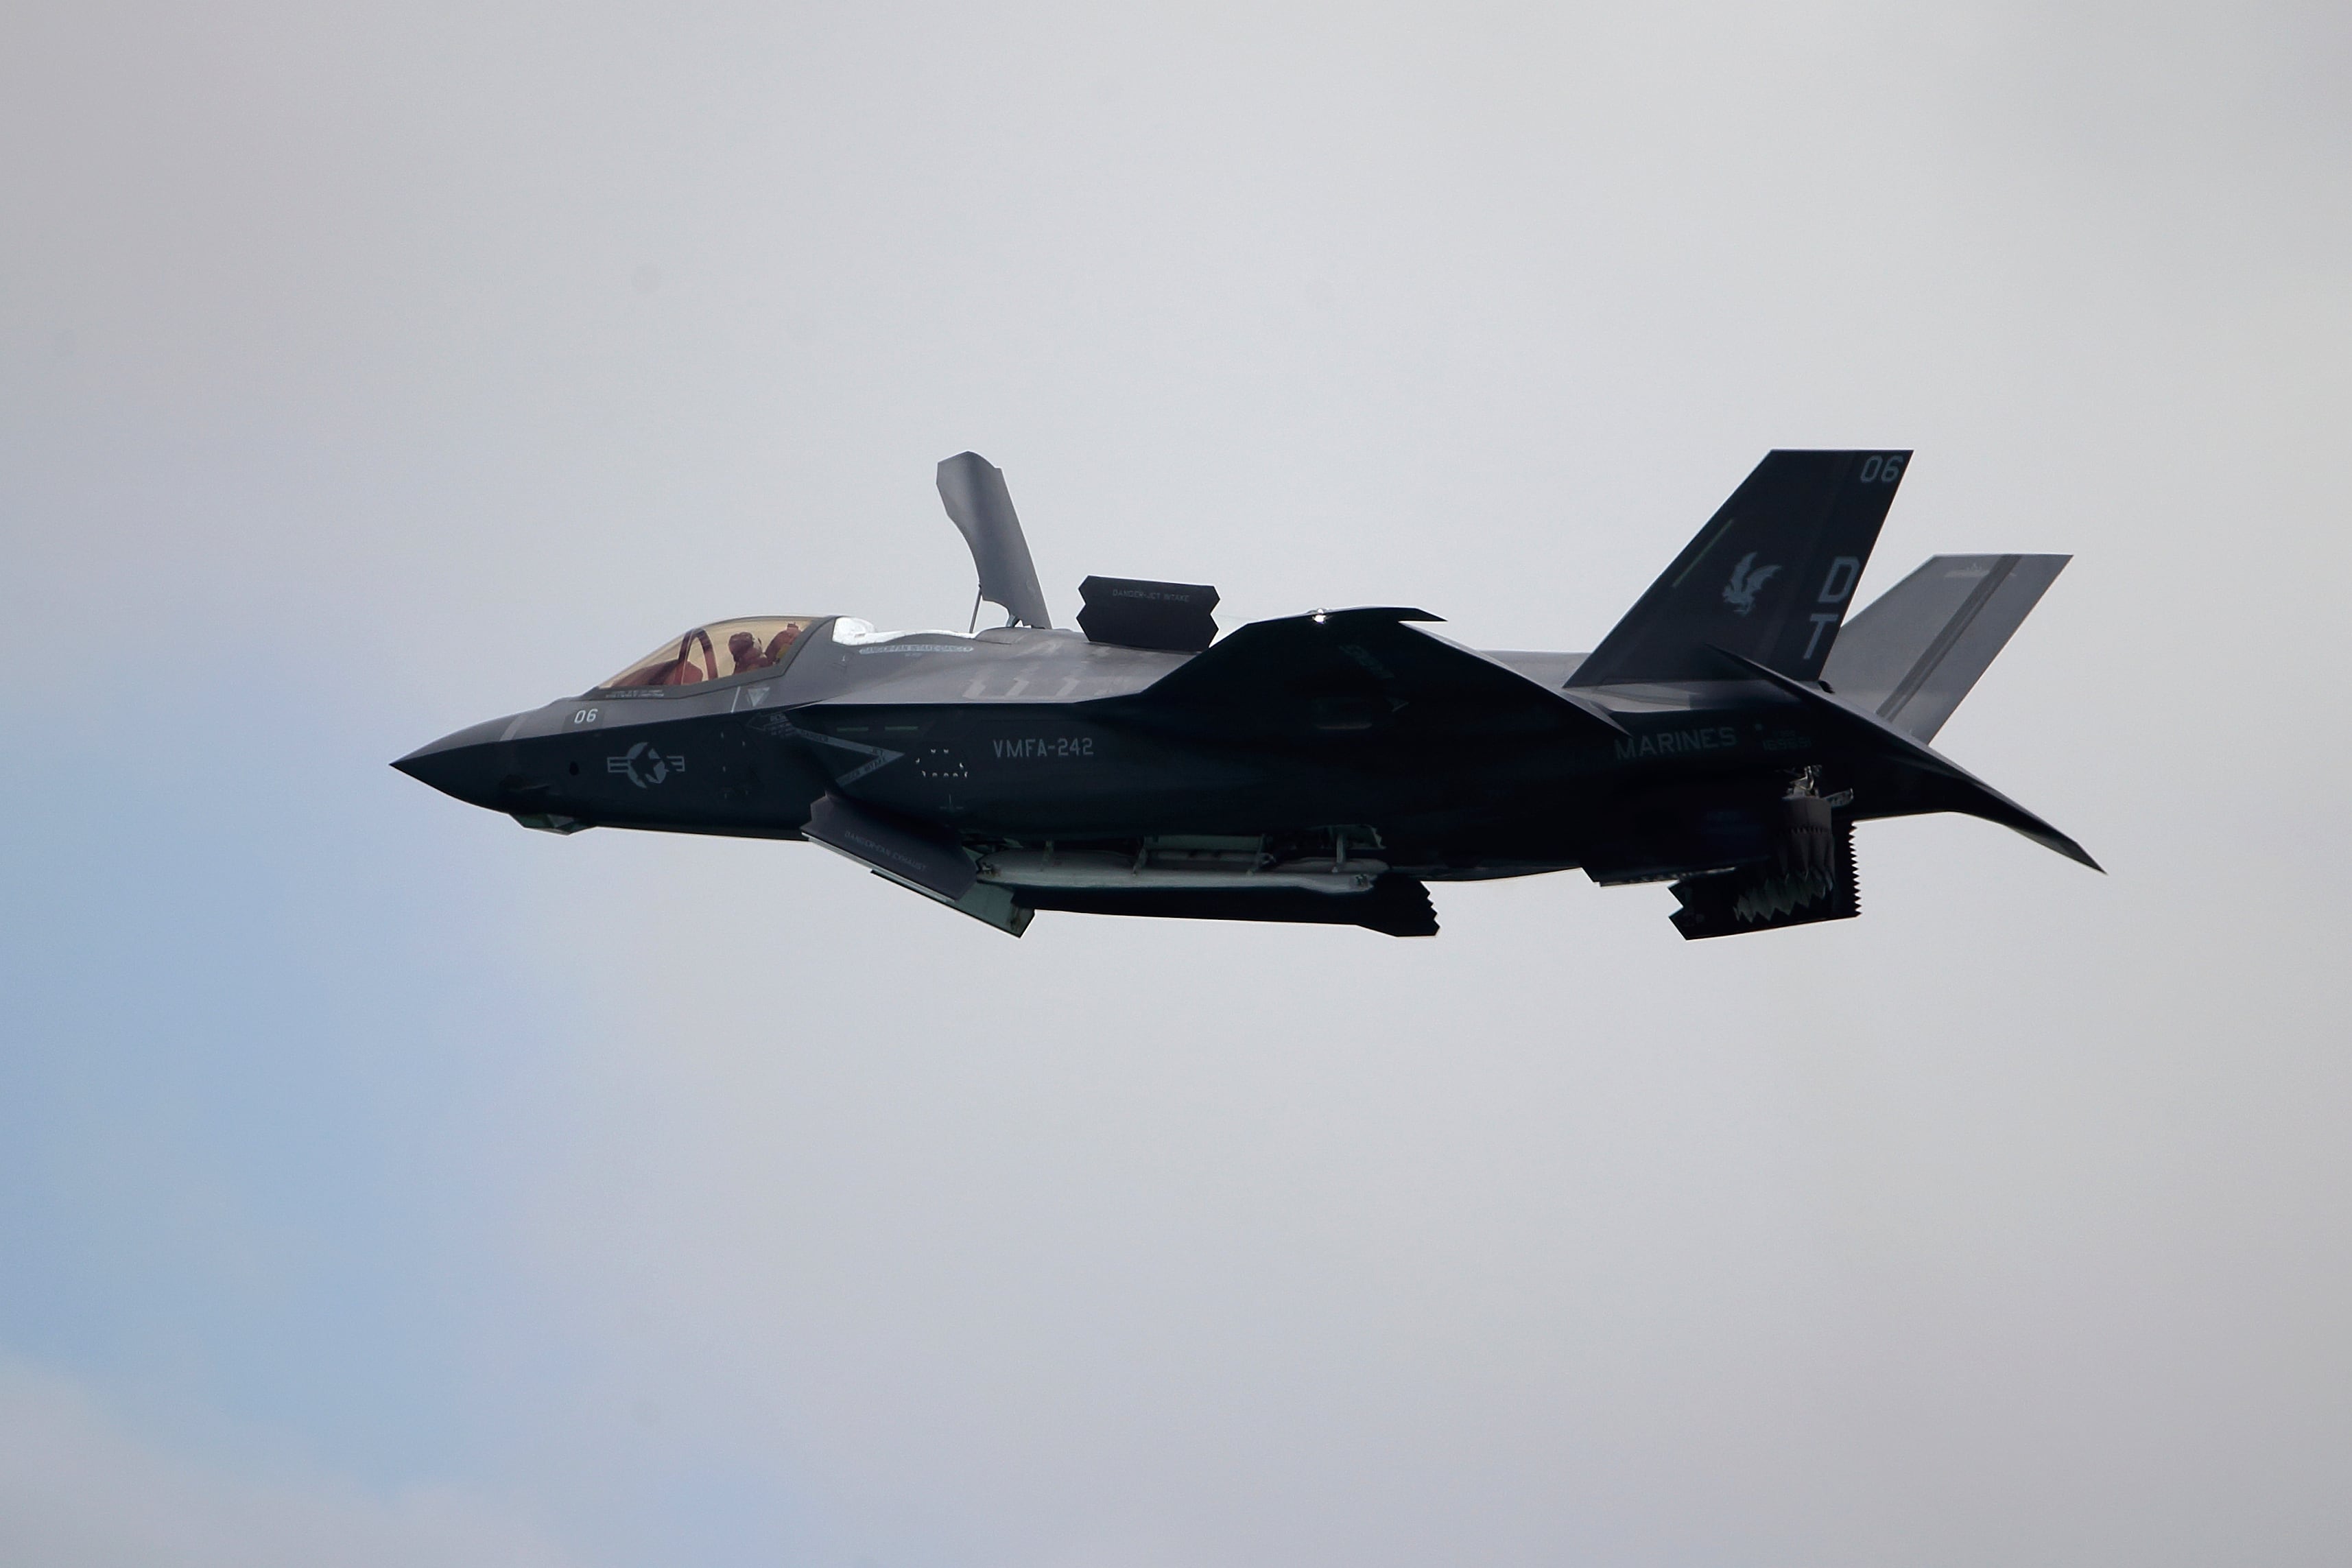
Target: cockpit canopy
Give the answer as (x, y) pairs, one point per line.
(714, 652)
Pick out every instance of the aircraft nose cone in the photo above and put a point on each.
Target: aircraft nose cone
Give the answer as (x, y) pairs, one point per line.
(463, 766)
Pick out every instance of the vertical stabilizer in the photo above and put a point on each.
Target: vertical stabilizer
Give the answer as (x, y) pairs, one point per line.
(1768, 578)
(1914, 651)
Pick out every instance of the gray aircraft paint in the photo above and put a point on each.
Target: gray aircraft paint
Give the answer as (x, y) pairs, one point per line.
(1725, 736)
(1915, 652)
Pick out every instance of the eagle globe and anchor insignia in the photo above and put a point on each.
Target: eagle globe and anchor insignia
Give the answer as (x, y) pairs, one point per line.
(1315, 768)
(644, 766)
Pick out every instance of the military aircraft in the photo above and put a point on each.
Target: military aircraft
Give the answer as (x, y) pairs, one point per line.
(1323, 768)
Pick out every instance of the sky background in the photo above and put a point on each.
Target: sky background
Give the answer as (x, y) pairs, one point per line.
(381, 1183)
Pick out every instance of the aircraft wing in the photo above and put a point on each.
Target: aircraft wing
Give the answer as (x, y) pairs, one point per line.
(1342, 673)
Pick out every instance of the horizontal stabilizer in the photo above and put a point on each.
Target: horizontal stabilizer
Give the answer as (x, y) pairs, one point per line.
(1345, 671)
(1911, 654)
(1951, 787)
(1770, 576)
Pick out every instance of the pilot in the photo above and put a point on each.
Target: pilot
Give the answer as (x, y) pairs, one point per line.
(745, 650)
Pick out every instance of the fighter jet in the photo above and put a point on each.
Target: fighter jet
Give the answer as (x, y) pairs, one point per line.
(1325, 768)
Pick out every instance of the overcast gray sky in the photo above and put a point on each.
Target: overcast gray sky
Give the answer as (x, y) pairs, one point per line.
(379, 1184)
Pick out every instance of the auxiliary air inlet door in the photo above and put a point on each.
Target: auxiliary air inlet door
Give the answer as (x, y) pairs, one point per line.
(1174, 617)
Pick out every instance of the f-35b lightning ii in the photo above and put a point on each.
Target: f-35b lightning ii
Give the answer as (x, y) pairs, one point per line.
(1325, 768)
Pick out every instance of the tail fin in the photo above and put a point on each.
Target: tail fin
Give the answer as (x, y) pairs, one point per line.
(1768, 578)
(1914, 651)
